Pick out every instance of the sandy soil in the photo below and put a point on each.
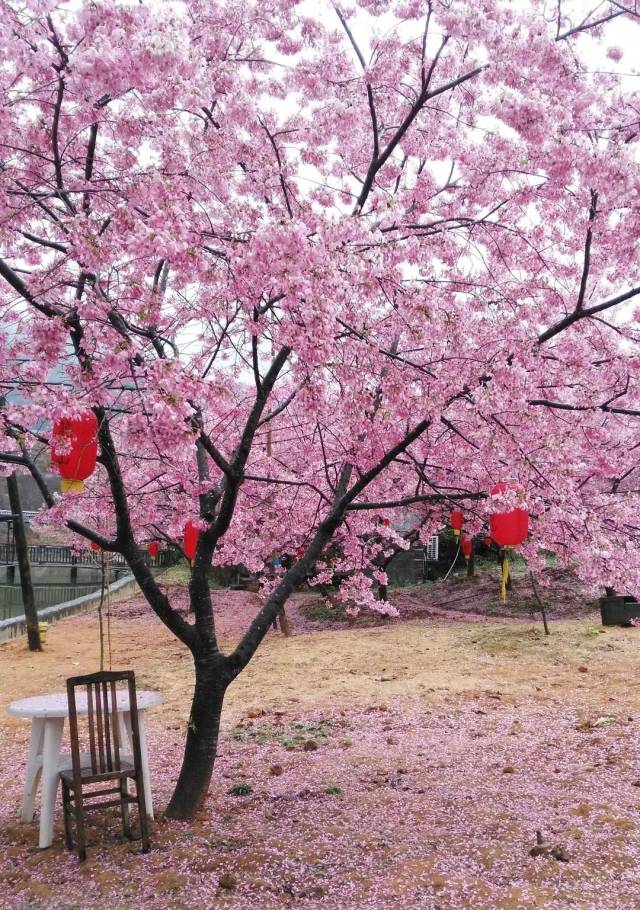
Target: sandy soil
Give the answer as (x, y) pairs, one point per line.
(443, 744)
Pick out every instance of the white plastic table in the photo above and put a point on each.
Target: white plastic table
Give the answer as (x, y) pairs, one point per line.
(48, 713)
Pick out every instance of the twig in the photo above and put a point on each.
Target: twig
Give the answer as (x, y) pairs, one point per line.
(542, 607)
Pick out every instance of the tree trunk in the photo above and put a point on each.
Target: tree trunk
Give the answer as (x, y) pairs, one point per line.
(471, 565)
(202, 741)
(284, 623)
(22, 552)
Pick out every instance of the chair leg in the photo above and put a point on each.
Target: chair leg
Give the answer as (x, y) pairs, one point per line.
(80, 832)
(66, 810)
(124, 808)
(142, 812)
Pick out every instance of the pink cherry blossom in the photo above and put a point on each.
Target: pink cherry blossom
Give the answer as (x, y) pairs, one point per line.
(310, 270)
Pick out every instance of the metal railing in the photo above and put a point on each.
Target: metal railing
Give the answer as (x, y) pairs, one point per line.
(45, 555)
(7, 515)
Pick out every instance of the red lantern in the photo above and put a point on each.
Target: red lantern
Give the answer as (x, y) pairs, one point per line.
(191, 534)
(153, 548)
(95, 546)
(457, 520)
(74, 448)
(509, 529)
(488, 541)
(467, 546)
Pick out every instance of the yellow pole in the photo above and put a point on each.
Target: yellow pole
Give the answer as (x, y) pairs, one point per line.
(505, 575)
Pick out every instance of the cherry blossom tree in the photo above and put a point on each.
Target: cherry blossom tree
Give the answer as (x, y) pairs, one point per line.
(312, 268)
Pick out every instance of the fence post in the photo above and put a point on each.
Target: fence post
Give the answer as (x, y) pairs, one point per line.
(22, 551)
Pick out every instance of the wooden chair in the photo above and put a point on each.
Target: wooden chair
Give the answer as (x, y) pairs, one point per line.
(103, 761)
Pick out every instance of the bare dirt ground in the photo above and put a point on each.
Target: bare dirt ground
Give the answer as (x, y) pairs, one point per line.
(403, 765)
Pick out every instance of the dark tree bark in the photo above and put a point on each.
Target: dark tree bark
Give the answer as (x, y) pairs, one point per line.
(22, 552)
(201, 745)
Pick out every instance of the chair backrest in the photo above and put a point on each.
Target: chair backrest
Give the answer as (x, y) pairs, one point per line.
(102, 718)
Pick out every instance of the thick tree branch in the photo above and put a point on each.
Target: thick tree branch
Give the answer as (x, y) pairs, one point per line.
(216, 455)
(562, 406)
(88, 167)
(126, 543)
(296, 574)
(370, 98)
(410, 500)
(237, 465)
(585, 26)
(283, 183)
(425, 95)
(18, 285)
(41, 241)
(366, 478)
(593, 209)
(584, 313)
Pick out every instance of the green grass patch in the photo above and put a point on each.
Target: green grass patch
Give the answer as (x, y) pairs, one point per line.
(322, 611)
(334, 790)
(291, 736)
(175, 575)
(242, 789)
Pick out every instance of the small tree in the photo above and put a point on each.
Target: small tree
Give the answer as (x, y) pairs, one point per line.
(309, 270)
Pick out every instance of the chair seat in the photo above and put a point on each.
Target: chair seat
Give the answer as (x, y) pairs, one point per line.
(65, 763)
(88, 777)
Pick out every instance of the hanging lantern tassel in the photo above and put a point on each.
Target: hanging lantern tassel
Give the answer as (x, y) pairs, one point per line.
(505, 575)
(71, 486)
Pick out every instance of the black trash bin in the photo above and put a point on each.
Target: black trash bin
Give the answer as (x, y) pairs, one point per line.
(618, 610)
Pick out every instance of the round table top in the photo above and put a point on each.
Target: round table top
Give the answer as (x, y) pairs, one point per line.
(56, 705)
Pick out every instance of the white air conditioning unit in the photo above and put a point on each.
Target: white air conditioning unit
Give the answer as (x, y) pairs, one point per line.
(431, 549)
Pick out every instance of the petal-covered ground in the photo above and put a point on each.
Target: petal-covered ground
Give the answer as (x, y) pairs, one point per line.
(403, 766)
